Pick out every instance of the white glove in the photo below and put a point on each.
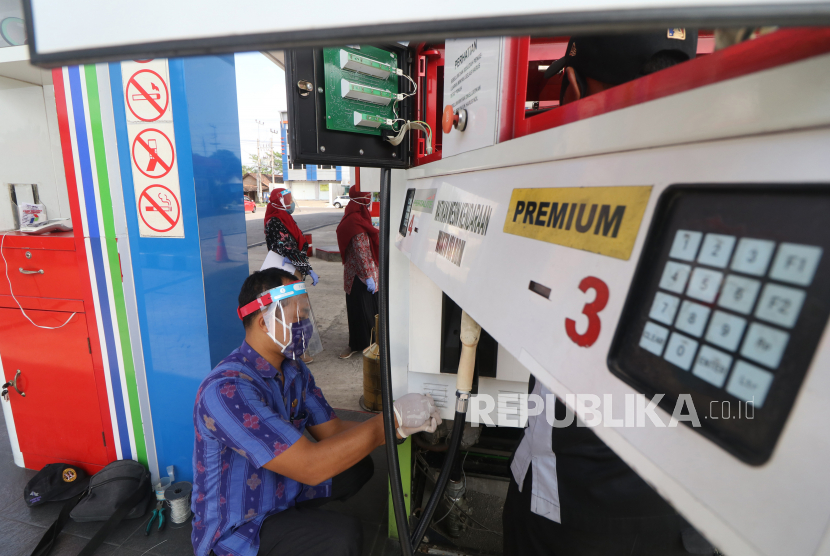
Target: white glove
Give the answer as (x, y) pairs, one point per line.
(416, 413)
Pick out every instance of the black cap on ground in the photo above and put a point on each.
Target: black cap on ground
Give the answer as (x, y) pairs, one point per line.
(616, 59)
(55, 482)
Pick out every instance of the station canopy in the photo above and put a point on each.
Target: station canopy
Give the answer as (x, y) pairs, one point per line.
(84, 31)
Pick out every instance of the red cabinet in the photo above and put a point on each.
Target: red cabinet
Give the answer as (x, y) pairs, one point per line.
(60, 418)
(42, 273)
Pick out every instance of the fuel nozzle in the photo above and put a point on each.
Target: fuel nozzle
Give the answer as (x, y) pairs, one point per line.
(470, 334)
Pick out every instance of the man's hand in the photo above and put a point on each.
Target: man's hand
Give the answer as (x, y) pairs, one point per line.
(416, 413)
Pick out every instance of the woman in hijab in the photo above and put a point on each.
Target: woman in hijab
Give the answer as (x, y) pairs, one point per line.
(359, 244)
(284, 237)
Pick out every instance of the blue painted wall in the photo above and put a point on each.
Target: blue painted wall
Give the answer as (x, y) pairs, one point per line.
(186, 298)
(210, 84)
(338, 173)
(311, 172)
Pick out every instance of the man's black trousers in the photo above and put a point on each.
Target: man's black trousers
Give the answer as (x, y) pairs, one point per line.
(307, 530)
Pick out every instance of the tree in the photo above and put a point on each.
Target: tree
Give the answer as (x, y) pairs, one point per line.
(263, 163)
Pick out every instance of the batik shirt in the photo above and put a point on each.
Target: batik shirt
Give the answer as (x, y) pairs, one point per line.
(359, 262)
(245, 415)
(279, 240)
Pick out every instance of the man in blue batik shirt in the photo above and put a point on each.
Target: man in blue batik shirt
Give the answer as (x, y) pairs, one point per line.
(258, 481)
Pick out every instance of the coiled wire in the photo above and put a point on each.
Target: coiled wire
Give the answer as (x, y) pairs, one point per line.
(178, 497)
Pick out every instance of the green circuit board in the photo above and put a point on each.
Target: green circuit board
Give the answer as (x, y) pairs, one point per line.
(370, 81)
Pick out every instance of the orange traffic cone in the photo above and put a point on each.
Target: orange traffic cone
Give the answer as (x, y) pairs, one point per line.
(221, 251)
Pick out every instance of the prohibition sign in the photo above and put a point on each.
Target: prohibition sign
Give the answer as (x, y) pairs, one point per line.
(153, 153)
(159, 208)
(147, 95)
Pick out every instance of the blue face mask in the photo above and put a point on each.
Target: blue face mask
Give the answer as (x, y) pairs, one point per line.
(300, 337)
(290, 209)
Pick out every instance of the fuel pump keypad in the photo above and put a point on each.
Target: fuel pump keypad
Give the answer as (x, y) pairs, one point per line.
(738, 294)
(731, 295)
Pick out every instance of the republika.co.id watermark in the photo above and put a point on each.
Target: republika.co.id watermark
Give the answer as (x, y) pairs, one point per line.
(635, 411)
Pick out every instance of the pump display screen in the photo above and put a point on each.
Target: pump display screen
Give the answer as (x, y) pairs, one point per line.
(728, 304)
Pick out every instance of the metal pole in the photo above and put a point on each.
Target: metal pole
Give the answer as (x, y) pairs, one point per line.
(258, 164)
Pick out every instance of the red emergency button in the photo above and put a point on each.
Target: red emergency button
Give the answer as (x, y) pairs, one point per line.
(453, 120)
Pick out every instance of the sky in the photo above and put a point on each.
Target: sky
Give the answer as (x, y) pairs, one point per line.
(260, 91)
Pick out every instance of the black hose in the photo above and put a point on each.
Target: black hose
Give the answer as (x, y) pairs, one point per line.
(395, 485)
(443, 477)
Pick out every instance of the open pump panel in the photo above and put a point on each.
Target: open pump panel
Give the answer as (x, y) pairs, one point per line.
(688, 260)
(343, 101)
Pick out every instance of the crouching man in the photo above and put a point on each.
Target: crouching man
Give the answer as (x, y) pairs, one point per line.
(258, 482)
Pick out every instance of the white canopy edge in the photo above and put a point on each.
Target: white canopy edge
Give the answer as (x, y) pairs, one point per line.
(63, 32)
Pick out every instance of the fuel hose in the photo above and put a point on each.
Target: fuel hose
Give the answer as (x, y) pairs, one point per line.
(389, 428)
(470, 333)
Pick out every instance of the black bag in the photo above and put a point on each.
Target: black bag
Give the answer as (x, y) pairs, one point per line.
(121, 490)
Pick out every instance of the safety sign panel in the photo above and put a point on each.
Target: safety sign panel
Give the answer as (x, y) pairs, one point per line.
(602, 220)
(152, 141)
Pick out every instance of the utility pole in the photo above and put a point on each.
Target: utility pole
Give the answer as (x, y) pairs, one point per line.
(258, 163)
(273, 132)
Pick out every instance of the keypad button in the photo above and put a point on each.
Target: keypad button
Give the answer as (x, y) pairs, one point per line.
(680, 351)
(692, 318)
(664, 308)
(685, 245)
(795, 263)
(654, 338)
(725, 330)
(675, 276)
(716, 250)
(749, 383)
(765, 345)
(704, 284)
(739, 294)
(712, 365)
(780, 305)
(753, 256)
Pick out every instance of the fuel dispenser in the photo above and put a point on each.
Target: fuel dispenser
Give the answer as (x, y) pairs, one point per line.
(667, 287)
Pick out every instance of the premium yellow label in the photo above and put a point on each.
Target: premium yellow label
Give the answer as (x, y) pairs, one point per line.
(602, 220)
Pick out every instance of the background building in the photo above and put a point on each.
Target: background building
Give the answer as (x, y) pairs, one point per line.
(307, 181)
(249, 184)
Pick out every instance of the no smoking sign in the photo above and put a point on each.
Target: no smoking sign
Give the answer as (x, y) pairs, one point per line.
(159, 208)
(153, 153)
(147, 95)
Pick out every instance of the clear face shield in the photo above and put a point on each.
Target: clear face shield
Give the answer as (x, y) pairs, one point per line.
(289, 319)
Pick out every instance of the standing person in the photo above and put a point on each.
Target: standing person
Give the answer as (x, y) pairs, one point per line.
(359, 244)
(285, 238)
